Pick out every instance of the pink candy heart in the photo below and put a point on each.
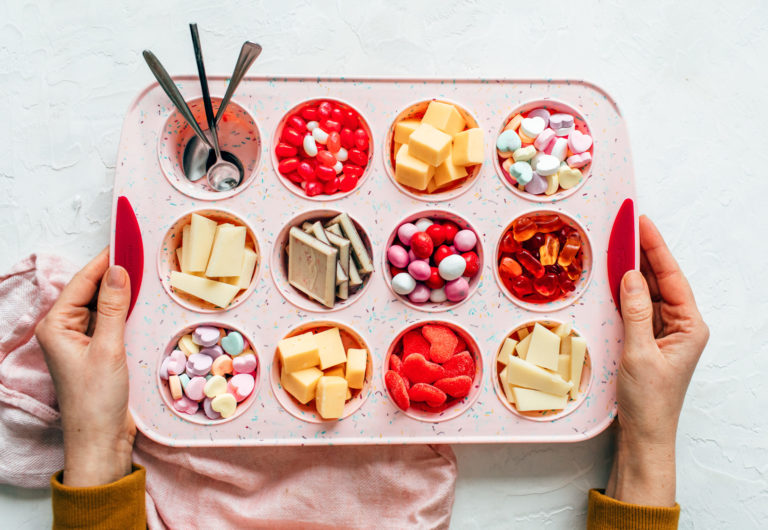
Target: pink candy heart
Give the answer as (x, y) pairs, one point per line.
(209, 412)
(194, 389)
(241, 386)
(185, 405)
(579, 142)
(244, 364)
(198, 365)
(580, 160)
(177, 362)
(206, 335)
(213, 352)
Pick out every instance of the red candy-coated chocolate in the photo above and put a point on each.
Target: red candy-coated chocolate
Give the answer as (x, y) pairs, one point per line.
(436, 232)
(457, 387)
(394, 271)
(397, 389)
(442, 342)
(451, 229)
(432, 396)
(441, 253)
(421, 245)
(435, 281)
(284, 150)
(347, 183)
(473, 263)
(288, 165)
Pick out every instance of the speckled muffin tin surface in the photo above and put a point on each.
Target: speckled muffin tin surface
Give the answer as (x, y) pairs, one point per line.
(267, 205)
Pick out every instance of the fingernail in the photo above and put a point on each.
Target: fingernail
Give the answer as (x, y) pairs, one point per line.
(633, 282)
(116, 277)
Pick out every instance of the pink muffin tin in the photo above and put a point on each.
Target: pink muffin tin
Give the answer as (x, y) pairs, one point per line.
(151, 195)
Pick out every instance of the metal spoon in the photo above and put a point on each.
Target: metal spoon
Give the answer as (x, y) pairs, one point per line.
(169, 87)
(197, 154)
(222, 175)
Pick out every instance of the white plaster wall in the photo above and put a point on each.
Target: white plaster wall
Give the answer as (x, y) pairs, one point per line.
(690, 77)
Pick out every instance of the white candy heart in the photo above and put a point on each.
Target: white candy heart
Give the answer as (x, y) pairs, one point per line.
(579, 142)
(559, 149)
(547, 165)
(532, 127)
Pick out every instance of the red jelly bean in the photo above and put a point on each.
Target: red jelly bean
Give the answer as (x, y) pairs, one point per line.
(292, 136)
(421, 245)
(309, 113)
(473, 263)
(441, 253)
(325, 173)
(352, 170)
(356, 156)
(437, 233)
(509, 268)
(295, 178)
(435, 281)
(324, 110)
(325, 158)
(334, 142)
(347, 138)
(337, 114)
(350, 120)
(533, 265)
(332, 186)
(330, 125)
(288, 165)
(347, 183)
(305, 170)
(546, 285)
(451, 229)
(521, 286)
(361, 139)
(297, 123)
(284, 150)
(313, 188)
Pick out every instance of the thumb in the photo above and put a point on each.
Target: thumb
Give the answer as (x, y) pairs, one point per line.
(637, 312)
(112, 307)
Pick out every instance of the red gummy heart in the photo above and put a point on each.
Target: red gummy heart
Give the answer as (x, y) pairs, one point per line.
(457, 387)
(419, 370)
(442, 342)
(395, 363)
(460, 364)
(405, 381)
(414, 342)
(432, 396)
(460, 346)
(397, 389)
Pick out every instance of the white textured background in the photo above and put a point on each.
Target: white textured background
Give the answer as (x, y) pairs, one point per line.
(690, 77)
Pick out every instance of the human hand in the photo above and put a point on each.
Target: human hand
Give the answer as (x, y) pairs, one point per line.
(85, 353)
(664, 336)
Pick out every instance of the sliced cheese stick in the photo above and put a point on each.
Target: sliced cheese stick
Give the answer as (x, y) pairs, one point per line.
(525, 374)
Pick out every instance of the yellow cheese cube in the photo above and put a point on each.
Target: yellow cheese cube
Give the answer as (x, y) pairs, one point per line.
(299, 352)
(445, 117)
(505, 386)
(403, 130)
(506, 351)
(188, 346)
(301, 384)
(429, 145)
(544, 348)
(522, 373)
(431, 186)
(410, 171)
(246, 273)
(337, 371)
(578, 353)
(227, 252)
(527, 400)
(448, 172)
(331, 396)
(217, 293)
(522, 346)
(564, 366)
(468, 147)
(201, 233)
(330, 348)
(357, 361)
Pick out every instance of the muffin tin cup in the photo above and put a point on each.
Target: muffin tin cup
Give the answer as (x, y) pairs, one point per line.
(167, 261)
(295, 189)
(200, 418)
(278, 264)
(581, 285)
(441, 214)
(239, 134)
(585, 386)
(554, 106)
(417, 110)
(459, 405)
(308, 413)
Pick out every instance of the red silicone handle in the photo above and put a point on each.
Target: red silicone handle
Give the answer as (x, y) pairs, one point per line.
(129, 249)
(622, 254)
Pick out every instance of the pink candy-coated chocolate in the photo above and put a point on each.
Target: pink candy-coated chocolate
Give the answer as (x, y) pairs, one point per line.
(241, 386)
(398, 256)
(186, 405)
(419, 269)
(405, 233)
(194, 389)
(457, 290)
(465, 240)
(244, 364)
(420, 294)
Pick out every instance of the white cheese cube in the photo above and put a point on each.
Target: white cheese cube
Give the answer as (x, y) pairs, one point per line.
(544, 348)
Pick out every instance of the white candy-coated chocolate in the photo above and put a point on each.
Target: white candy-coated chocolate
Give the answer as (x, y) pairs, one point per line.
(438, 296)
(403, 283)
(423, 223)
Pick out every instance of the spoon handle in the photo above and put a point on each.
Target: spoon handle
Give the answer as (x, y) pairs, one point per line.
(248, 54)
(204, 86)
(169, 87)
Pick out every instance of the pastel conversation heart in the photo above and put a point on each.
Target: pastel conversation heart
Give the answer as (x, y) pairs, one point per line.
(195, 389)
(580, 160)
(541, 113)
(185, 405)
(544, 139)
(241, 386)
(524, 154)
(206, 335)
(521, 172)
(215, 386)
(213, 352)
(233, 343)
(547, 165)
(508, 141)
(579, 142)
(199, 365)
(559, 149)
(568, 177)
(561, 121)
(537, 185)
(224, 404)
(245, 363)
(177, 362)
(209, 412)
(532, 127)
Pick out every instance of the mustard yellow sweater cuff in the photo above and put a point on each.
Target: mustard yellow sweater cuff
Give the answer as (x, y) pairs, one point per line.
(606, 513)
(116, 505)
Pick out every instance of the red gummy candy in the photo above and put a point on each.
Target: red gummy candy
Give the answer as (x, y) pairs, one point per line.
(397, 389)
(442, 342)
(419, 370)
(436, 233)
(395, 363)
(433, 396)
(421, 244)
(414, 342)
(460, 364)
(521, 285)
(457, 387)
(451, 229)
(441, 253)
(461, 345)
